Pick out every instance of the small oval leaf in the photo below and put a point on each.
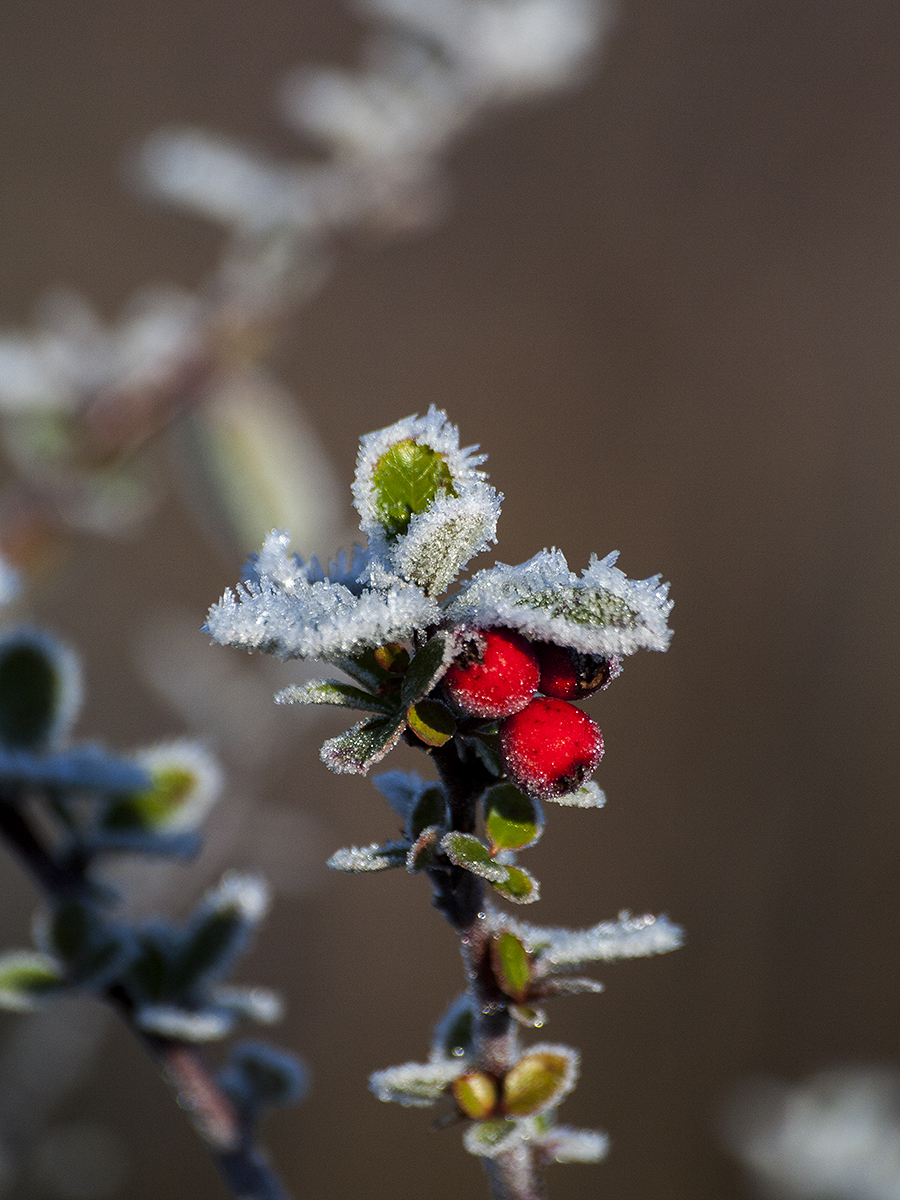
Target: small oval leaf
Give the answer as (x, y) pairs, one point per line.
(539, 1080)
(512, 819)
(407, 479)
(512, 966)
(519, 886)
(431, 721)
(476, 1093)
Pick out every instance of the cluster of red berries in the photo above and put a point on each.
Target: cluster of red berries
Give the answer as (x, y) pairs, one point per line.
(547, 745)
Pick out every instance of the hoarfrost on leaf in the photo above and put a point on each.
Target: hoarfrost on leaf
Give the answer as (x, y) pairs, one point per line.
(358, 859)
(295, 615)
(603, 613)
(563, 1144)
(628, 937)
(416, 1085)
(422, 500)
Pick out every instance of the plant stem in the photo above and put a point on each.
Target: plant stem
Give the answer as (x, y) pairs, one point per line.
(460, 896)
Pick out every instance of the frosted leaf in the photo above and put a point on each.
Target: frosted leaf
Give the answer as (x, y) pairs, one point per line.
(255, 1003)
(332, 692)
(628, 937)
(218, 179)
(540, 1080)
(357, 749)
(359, 859)
(290, 573)
(562, 1144)
(184, 1025)
(40, 689)
(409, 468)
(295, 616)
(72, 355)
(247, 896)
(83, 767)
(603, 613)
(528, 47)
(589, 795)
(187, 781)
(373, 116)
(441, 540)
(28, 978)
(416, 1085)
(487, 1139)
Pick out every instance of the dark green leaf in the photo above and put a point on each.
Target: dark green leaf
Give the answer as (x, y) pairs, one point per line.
(427, 667)
(356, 750)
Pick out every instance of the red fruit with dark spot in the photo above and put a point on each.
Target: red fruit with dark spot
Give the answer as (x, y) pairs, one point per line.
(568, 675)
(495, 676)
(550, 747)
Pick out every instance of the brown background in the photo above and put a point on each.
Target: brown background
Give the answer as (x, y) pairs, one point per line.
(666, 305)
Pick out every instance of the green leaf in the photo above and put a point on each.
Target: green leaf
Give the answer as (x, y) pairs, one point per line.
(357, 860)
(465, 850)
(28, 978)
(431, 721)
(39, 689)
(476, 1093)
(356, 750)
(512, 819)
(592, 606)
(538, 1081)
(393, 657)
(519, 886)
(427, 667)
(407, 479)
(333, 691)
(512, 966)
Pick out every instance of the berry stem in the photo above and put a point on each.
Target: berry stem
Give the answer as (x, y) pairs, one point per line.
(460, 896)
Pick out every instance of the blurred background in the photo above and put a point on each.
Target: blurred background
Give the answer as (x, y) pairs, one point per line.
(666, 306)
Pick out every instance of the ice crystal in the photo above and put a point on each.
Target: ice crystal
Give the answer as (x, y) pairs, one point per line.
(628, 937)
(294, 616)
(602, 613)
(416, 1085)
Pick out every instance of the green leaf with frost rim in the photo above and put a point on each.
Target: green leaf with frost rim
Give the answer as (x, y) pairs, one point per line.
(539, 1080)
(431, 721)
(513, 883)
(487, 1139)
(334, 692)
(428, 667)
(356, 750)
(28, 979)
(512, 820)
(512, 966)
(519, 886)
(407, 479)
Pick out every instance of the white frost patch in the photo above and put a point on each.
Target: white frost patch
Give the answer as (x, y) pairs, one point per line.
(602, 613)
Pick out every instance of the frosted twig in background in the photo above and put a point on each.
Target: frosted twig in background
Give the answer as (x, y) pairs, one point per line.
(834, 1137)
(79, 400)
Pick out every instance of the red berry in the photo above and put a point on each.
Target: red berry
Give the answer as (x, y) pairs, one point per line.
(568, 675)
(550, 747)
(495, 676)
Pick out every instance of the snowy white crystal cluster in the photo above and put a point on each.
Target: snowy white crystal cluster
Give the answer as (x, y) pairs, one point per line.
(835, 1136)
(387, 620)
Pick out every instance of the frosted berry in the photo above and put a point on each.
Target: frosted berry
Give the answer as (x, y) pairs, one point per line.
(495, 676)
(550, 747)
(568, 675)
